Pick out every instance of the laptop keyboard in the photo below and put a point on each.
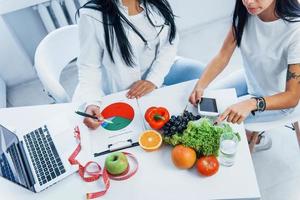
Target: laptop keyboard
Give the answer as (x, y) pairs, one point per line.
(46, 161)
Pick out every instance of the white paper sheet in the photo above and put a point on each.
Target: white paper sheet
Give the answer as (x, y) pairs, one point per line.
(127, 124)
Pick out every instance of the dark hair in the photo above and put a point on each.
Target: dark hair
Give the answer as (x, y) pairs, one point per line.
(288, 10)
(114, 21)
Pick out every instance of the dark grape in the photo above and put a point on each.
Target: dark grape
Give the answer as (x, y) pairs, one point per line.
(177, 124)
(167, 125)
(173, 129)
(180, 128)
(165, 128)
(198, 117)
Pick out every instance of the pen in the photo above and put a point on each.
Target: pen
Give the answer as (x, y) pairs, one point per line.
(93, 117)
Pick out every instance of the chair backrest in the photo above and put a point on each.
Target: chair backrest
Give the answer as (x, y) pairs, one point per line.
(52, 55)
(2, 93)
(266, 126)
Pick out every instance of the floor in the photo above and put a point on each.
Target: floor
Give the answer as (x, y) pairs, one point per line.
(277, 170)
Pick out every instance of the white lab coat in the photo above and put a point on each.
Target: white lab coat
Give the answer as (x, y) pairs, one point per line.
(99, 76)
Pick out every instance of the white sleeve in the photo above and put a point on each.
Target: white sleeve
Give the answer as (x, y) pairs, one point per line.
(294, 48)
(89, 61)
(163, 62)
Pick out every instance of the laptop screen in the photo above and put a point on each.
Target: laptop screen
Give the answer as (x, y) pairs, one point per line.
(10, 161)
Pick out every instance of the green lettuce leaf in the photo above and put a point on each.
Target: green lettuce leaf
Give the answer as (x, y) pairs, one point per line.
(202, 136)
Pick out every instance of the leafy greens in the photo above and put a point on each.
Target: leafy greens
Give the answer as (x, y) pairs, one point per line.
(202, 136)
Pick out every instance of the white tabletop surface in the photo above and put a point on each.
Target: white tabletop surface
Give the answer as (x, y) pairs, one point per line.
(157, 177)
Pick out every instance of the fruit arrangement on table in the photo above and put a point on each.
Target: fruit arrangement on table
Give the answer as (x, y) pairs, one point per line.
(192, 137)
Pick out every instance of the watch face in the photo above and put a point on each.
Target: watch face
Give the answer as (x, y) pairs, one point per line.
(260, 104)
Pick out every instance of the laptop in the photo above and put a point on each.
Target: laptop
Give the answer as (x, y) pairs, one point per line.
(38, 158)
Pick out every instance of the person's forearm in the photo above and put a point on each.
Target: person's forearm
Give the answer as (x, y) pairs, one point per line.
(282, 100)
(219, 62)
(213, 69)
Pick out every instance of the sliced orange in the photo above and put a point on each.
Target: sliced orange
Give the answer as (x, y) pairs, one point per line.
(150, 140)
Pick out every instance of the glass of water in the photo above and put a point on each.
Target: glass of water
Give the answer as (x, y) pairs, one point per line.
(228, 148)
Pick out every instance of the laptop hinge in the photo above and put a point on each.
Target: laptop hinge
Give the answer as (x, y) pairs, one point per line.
(28, 172)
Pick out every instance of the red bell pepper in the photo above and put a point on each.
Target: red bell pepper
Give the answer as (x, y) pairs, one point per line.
(157, 117)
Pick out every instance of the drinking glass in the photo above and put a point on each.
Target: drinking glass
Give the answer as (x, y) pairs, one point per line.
(228, 147)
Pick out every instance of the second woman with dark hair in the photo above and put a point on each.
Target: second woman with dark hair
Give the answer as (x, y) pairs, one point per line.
(127, 44)
(268, 35)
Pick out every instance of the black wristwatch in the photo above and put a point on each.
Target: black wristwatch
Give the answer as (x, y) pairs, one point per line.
(260, 104)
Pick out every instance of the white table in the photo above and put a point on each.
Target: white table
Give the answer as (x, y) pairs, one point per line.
(157, 177)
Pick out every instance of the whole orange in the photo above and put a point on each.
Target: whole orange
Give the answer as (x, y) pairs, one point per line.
(183, 157)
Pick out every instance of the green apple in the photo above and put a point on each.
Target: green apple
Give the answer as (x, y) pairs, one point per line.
(116, 163)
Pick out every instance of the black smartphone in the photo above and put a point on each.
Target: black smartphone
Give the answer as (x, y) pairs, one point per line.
(208, 107)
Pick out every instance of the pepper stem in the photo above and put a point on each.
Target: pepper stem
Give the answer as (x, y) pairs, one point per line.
(158, 117)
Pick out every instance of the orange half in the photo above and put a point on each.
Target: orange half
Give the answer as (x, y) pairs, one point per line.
(150, 140)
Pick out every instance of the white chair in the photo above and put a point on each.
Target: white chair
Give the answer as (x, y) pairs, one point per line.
(265, 126)
(2, 94)
(52, 55)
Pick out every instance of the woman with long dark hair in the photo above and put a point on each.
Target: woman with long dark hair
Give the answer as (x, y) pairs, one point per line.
(127, 44)
(268, 35)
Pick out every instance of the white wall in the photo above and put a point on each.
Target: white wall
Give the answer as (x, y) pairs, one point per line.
(193, 13)
(14, 61)
(7, 6)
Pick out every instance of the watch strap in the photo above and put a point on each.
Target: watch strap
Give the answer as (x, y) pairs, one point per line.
(260, 104)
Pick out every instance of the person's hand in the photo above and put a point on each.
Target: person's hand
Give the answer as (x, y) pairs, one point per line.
(238, 112)
(196, 95)
(93, 123)
(140, 88)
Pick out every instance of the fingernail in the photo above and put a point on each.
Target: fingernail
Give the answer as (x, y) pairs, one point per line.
(101, 118)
